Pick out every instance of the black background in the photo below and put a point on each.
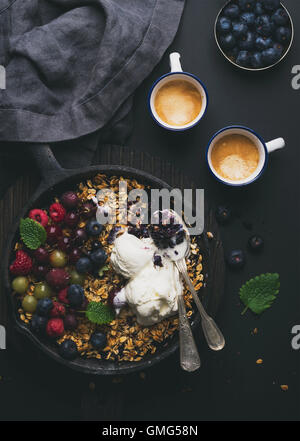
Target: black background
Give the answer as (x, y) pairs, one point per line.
(229, 385)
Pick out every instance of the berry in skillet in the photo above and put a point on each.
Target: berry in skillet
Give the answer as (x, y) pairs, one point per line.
(20, 284)
(98, 340)
(98, 257)
(236, 259)
(69, 200)
(84, 265)
(54, 232)
(38, 324)
(75, 295)
(232, 11)
(41, 255)
(256, 243)
(57, 212)
(55, 327)
(58, 278)
(58, 259)
(29, 304)
(246, 5)
(93, 228)
(72, 219)
(68, 349)
(22, 265)
(44, 307)
(88, 210)
(39, 216)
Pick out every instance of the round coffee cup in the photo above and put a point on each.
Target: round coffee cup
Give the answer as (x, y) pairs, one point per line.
(264, 149)
(177, 74)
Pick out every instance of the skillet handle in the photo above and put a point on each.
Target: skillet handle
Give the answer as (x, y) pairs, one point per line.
(49, 168)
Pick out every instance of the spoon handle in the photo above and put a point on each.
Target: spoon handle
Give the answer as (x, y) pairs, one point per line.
(212, 333)
(189, 356)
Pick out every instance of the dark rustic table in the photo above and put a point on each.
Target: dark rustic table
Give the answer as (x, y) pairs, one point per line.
(229, 385)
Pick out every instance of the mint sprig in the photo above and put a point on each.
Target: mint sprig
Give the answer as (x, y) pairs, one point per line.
(32, 233)
(99, 313)
(259, 293)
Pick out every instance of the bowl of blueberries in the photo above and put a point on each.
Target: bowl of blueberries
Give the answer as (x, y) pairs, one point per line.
(254, 34)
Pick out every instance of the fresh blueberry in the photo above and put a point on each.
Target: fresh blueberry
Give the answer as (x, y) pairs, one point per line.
(246, 5)
(98, 257)
(279, 49)
(269, 56)
(68, 349)
(259, 10)
(44, 307)
(280, 17)
(256, 243)
(236, 259)
(223, 214)
(232, 11)
(93, 228)
(243, 58)
(98, 340)
(283, 34)
(264, 25)
(75, 295)
(257, 60)
(247, 42)
(224, 25)
(83, 265)
(262, 43)
(270, 5)
(38, 323)
(248, 18)
(228, 41)
(233, 53)
(239, 29)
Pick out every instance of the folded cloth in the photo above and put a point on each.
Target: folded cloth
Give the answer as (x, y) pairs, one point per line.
(72, 67)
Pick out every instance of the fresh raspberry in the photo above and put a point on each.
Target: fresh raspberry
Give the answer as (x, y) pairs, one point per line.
(22, 265)
(39, 216)
(55, 327)
(57, 212)
(62, 296)
(58, 310)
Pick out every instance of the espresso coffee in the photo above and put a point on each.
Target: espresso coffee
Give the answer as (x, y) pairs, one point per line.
(235, 157)
(178, 102)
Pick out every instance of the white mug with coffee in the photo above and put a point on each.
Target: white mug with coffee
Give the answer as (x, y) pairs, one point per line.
(238, 156)
(177, 100)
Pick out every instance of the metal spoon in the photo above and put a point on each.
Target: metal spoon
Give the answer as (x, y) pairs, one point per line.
(178, 254)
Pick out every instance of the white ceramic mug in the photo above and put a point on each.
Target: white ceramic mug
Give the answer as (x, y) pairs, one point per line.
(263, 148)
(177, 74)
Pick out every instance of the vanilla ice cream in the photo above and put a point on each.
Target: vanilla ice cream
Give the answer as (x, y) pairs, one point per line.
(151, 291)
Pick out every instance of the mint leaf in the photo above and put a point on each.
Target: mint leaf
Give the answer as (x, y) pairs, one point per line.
(99, 313)
(32, 233)
(259, 293)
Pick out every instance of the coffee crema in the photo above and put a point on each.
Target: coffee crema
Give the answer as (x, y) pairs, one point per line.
(178, 102)
(235, 157)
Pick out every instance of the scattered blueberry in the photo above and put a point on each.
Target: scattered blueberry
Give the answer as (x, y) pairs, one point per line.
(270, 5)
(68, 349)
(246, 5)
(248, 18)
(99, 257)
(283, 34)
(93, 228)
(257, 60)
(223, 214)
(98, 340)
(239, 29)
(269, 56)
(236, 259)
(75, 295)
(256, 243)
(247, 42)
(224, 25)
(243, 58)
(227, 41)
(258, 9)
(264, 25)
(280, 17)
(83, 265)
(44, 307)
(232, 11)
(38, 324)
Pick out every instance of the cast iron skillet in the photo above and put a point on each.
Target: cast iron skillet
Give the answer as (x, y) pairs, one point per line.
(55, 180)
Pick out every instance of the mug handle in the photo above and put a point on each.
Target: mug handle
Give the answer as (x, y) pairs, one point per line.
(275, 144)
(175, 62)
